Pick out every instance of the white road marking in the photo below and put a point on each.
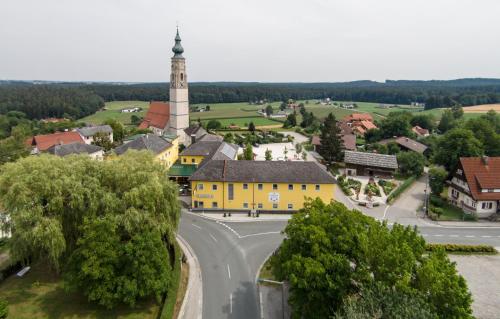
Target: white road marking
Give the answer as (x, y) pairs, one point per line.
(258, 234)
(385, 211)
(213, 237)
(453, 236)
(438, 235)
(230, 303)
(486, 236)
(470, 236)
(261, 306)
(228, 271)
(425, 235)
(196, 226)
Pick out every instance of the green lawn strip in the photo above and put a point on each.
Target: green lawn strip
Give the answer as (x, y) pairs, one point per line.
(40, 294)
(113, 112)
(245, 121)
(169, 305)
(440, 209)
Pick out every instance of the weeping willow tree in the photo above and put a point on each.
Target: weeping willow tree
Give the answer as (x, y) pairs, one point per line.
(106, 226)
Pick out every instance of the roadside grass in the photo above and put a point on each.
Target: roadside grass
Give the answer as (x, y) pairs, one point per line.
(181, 292)
(40, 294)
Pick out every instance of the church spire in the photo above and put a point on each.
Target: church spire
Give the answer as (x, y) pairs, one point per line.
(178, 49)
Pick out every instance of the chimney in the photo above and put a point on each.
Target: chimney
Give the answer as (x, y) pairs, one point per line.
(193, 138)
(485, 160)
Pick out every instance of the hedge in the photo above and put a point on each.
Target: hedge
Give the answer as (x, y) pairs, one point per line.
(458, 248)
(167, 311)
(400, 189)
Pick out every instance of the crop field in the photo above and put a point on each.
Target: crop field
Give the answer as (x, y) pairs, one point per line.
(482, 108)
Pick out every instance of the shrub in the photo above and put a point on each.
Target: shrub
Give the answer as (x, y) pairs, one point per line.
(373, 188)
(387, 186)
(462, 248)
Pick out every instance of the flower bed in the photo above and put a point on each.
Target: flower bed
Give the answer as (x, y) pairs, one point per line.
(372, 188)
(387, 186)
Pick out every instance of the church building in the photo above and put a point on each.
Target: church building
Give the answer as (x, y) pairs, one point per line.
(172, 118)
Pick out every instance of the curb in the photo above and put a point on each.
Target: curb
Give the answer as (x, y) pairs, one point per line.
(194, 274)
(253, 219)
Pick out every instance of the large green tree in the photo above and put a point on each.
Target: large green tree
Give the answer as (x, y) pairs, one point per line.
(411, 163)
(331, 253)
(55, 206)
(437, 178)
(396, 124)
(454, 144)
(331, 141)
(485, 131)
(118, 129)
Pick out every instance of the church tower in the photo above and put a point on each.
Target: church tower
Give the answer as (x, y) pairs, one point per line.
(179, 98)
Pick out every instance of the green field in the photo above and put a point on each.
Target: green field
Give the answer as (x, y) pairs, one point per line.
(243, 122)
(242, 113)
(40, 294)
(112, 111)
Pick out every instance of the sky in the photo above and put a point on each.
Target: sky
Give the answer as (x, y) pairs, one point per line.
(250, 40)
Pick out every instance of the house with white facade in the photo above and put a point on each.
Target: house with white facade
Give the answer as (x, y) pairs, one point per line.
(88, 132)
(475, 186)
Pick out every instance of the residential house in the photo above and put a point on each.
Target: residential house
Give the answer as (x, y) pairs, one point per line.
(369, 164)
(420, 132)
(167, 152)
(41, 143)
(270, 186)
(348, 140)
(475, 186)
(89, 132)
(406, 144)
(93, 151)
(360, 123)
(200, 152)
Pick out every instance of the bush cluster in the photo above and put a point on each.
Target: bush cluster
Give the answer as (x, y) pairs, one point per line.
(462, 248)
(373, 188)
(387, 186)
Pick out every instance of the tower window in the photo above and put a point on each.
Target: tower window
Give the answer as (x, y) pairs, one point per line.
(182, 76)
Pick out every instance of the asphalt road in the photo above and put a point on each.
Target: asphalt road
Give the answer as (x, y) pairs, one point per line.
(230, 255)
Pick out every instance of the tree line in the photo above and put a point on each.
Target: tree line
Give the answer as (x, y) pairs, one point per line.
(77, 100)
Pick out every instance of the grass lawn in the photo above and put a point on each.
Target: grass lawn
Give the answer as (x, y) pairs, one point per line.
(113, 112)
(265, 271)
(244, 121)
(40, 294)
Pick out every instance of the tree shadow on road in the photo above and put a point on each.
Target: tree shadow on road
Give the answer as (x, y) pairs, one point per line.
(242, 303)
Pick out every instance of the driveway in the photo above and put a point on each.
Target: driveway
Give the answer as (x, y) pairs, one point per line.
(297, 137)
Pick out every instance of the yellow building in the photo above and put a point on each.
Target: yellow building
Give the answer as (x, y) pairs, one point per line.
(204, 150)
(259, 185)
(166, 150)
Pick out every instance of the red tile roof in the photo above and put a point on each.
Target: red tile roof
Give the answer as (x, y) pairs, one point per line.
(358, 117)
(420, 131)
(368, 125)
(480, 175)
(157, 116)
(43, 142)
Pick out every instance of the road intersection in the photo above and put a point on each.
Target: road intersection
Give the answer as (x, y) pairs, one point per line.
(231, 253)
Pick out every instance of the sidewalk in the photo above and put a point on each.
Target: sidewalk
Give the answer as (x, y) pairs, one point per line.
(484, 224)
(243, 217)
(192, 304)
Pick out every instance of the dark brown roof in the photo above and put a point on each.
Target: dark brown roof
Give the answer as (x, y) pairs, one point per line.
(371, 159)
(349, 142)
(157, 116)
(263, 171)
(480, 175)
(406, 142)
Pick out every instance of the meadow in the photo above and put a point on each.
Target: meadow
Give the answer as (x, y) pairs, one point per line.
(242, 113)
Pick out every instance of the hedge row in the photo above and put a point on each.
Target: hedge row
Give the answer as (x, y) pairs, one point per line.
(167, 311)
(457, 248)
(401, 188)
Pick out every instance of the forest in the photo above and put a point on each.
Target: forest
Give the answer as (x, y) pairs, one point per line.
(75, 100)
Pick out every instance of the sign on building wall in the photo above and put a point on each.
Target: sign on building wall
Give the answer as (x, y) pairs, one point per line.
(274, 197)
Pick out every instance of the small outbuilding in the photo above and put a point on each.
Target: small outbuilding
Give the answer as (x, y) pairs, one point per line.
(369, 164)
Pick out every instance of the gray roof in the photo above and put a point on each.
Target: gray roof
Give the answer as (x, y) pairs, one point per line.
(263, 171)
(148, 142)
(201, 148)
(407, 143)
(73, 148)
(92, 130)
(371, 159)
(195, 130)
(226, 151)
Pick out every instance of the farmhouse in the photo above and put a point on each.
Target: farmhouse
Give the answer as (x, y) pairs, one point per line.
(475, 186)
(369, 164)
(89, 132)
(259, 185)
(93, 151)
(359, 123)
(167, 152)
